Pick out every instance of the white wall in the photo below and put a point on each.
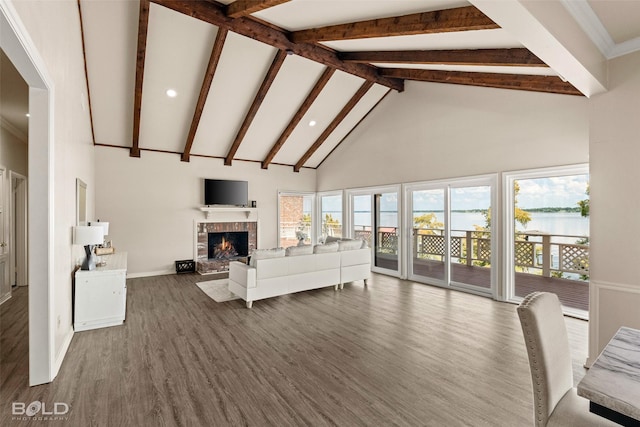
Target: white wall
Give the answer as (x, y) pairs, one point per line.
(614, 119)
(433, 131)
(151, 202)
(54, 28)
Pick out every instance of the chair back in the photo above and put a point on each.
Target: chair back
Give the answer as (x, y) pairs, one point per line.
(547, 342)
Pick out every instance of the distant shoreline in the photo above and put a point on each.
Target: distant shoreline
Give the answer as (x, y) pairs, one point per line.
(544, 210)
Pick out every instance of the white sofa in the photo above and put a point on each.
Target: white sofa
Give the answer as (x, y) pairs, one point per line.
(281, 275)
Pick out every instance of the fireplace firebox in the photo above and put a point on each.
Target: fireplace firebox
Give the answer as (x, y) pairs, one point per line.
(228, 245)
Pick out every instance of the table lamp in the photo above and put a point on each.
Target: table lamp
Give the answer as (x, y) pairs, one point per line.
(88, 236)
(104, 225)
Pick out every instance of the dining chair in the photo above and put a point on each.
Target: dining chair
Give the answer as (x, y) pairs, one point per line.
(556, 402)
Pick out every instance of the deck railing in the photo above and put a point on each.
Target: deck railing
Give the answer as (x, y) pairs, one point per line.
(548, 254)
(534, 252)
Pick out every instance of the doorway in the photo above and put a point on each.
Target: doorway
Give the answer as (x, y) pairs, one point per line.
(374, 216)
(5, 284)
(18, 274)
(20, 49)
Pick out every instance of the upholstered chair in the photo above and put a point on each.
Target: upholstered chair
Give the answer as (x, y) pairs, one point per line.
(545, 334)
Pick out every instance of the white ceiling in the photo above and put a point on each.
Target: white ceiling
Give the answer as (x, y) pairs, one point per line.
(302, 14)
(613, 25)
(178, 49)
(619, 17)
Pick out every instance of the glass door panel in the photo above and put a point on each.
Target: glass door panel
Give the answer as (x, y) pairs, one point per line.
(386, 238)
(428, 233)
(362, 220)
(470, 247)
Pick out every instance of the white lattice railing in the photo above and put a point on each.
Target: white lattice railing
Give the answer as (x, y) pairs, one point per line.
(546, 253)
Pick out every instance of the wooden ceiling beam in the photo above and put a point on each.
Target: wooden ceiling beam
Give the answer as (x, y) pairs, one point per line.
(143, 25)
(214, 13)
(534, 83)
(86, 73)
(214, 59)
(320, 84)
(334, 124)
(255, 105)
(516, 57)
(440, 21)
(246, 7)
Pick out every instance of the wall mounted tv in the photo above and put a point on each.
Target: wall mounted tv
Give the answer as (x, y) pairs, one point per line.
(226, 192)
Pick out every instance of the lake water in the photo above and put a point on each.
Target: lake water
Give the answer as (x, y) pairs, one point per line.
(564, 223)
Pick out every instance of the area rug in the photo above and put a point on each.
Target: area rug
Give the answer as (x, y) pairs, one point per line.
(217, 290)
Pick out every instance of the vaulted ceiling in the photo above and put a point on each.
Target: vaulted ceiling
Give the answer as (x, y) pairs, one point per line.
(282, 81)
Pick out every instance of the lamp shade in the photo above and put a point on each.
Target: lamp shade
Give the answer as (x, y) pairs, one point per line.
(88, 235)
(104, 225)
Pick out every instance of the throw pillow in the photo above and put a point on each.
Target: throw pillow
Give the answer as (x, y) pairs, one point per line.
(326, 248)
(331, 239)
(265, 254)
(349, 245)
(299, 250)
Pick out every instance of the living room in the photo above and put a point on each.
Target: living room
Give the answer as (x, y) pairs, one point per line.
(152, 201)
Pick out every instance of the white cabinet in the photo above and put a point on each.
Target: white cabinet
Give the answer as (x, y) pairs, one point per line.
(101, 294)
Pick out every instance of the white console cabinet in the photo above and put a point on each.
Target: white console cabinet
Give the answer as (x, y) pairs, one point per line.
(101, 294)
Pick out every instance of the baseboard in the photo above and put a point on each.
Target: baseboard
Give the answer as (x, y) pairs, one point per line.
(150, 274)
(6, 297)
(62, 353)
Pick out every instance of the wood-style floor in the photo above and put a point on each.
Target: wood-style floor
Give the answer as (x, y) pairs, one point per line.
(393, 353)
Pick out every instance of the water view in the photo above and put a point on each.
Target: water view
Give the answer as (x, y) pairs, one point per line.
(562, 223)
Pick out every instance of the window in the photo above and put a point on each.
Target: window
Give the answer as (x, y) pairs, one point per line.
(330, 215)
(295, 218)
(547, 235)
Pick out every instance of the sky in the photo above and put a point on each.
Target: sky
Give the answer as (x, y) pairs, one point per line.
(564, 191)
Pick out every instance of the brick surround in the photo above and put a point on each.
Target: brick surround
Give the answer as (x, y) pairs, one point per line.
(205, 265)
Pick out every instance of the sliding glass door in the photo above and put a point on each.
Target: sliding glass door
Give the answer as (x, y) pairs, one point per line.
(450, 229)
(374, 215)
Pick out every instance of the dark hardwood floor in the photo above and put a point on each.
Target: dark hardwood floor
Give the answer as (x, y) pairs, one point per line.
(393, 353)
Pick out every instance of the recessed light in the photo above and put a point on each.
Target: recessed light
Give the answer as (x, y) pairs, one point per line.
(28, 115)
(171, 93)
(312, 123)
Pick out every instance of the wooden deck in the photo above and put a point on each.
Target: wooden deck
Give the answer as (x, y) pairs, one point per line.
(571, 293)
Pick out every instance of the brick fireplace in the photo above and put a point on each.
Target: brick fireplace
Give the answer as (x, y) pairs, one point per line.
(219, 243)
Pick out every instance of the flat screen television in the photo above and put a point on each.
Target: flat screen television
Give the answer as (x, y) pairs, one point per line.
(226, 192)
